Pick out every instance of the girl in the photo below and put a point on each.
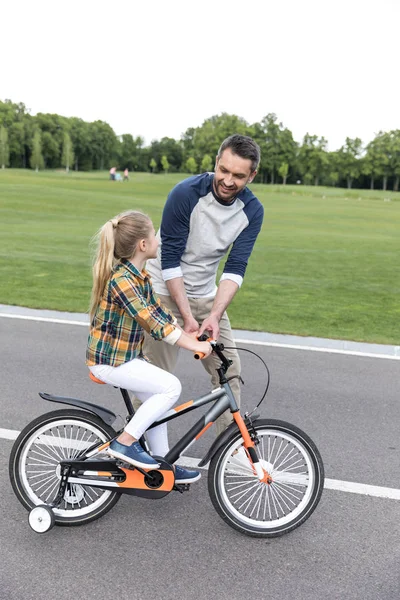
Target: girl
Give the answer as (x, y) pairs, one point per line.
(122, 307)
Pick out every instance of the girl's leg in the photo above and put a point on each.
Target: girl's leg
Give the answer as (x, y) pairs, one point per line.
(157, 389)
(158, 440)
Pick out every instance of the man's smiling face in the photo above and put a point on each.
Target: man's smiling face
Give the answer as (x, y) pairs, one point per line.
(232, 174)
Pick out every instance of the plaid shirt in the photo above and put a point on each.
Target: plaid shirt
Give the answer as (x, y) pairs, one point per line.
(128, 307)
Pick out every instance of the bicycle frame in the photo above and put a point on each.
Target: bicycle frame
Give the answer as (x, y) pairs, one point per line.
(157, 483)
(222, 398)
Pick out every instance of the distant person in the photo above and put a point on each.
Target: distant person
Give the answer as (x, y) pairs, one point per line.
(118, 177)
(205, 216)
(112, 173)
(123, 306)
(126, 175)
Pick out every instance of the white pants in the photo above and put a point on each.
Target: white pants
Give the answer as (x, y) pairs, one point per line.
(158, 391)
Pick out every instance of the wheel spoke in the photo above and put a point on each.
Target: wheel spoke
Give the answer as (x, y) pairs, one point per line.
(268, 507)
(54, 441)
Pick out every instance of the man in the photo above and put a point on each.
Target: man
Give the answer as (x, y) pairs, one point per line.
(204, 215)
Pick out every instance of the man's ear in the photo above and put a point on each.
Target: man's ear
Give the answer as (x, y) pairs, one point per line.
(254, 173)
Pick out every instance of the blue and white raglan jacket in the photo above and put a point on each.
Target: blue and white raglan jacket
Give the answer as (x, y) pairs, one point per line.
(197, 230)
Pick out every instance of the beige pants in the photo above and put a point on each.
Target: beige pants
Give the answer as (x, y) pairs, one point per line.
(165, 356)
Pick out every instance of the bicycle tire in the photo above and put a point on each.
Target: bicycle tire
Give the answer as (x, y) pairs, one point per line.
(267, 510)
(34, 459)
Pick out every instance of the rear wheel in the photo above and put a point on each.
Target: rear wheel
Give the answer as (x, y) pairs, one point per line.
(267, 509)
(35, 465)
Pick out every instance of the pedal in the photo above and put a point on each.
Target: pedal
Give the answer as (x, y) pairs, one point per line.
(181, 487)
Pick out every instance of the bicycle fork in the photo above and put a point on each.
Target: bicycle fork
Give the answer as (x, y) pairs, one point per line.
(249, 446)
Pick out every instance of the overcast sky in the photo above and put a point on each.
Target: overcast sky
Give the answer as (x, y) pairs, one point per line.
(155, 68)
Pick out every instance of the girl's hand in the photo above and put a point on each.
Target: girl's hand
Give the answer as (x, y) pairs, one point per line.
(204, 349)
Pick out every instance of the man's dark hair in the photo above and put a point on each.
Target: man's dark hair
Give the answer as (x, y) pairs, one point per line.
(244, 146)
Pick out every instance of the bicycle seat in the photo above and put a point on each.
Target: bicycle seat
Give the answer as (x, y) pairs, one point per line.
(93, 378)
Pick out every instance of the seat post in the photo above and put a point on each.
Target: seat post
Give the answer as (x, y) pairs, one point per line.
(128, 402)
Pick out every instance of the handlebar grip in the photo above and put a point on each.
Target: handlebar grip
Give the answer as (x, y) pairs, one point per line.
(204, 337)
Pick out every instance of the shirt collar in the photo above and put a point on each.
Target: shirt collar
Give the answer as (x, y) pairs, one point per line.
(133, 270)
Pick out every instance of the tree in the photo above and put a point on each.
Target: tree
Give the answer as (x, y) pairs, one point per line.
(131, 152)
(164, 163)
(283, 172)
(16, 140)
(395, 157)
(153, 165)
(191, 165)
(276, 144)
(37, 161)
(206, 163)
(333, 168)
(349, 160)
(169, 148)
(376, 160)
(313, 158)
(67, 159)
(103, 142)
(4, 150)
(80, 136)
(208, 138)
(50, 150)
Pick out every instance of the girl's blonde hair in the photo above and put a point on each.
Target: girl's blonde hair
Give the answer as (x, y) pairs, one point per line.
(117, 239)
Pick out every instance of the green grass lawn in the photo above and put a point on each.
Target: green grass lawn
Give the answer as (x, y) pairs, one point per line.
(326, 263)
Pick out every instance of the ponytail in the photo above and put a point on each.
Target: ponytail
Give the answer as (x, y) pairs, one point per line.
(117, 239)
(103, 263)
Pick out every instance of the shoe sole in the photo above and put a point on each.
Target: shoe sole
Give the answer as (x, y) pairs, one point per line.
(132, 461)
(191, 480)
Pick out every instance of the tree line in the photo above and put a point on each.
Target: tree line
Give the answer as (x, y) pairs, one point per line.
(52, 141)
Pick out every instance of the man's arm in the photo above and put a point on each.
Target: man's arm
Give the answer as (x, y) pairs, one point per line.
(226, 291)
(178, 294)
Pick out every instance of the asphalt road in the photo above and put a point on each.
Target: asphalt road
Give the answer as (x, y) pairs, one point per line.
(178, 546)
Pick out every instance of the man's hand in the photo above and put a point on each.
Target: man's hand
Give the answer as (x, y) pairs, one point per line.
(210, 324)
(190, 325)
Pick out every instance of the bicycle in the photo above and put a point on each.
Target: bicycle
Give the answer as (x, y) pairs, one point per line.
(265, 476)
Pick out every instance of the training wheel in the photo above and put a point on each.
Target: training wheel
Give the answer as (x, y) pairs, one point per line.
(41, 518)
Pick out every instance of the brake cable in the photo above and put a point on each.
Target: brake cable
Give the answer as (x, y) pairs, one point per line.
(240, 378)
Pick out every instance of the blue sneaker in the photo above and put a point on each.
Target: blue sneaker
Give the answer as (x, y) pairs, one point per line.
(133, 454)
(185, 476)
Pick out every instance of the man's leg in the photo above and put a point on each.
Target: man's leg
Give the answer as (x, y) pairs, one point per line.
(201, 308)
(158, 352)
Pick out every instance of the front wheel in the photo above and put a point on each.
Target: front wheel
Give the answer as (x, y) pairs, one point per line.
(267, 509)
(35, 472)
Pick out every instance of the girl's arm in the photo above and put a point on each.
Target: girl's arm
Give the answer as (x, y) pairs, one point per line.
(190, 343)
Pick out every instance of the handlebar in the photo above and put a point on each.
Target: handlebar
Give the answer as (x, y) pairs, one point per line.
(226, 362)
(203, 338)
(218, 348)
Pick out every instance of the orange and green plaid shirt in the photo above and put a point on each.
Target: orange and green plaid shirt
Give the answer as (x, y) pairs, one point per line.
(127, 308)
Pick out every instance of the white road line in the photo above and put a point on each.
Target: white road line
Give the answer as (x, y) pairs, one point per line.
(237, 340)
(8, 434)
(318, 349)
(45, 319)
(330, 484)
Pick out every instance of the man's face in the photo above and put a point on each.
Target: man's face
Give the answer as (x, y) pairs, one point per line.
(232, 174)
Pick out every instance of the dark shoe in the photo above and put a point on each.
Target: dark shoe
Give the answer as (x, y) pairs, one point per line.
(185, 476)
(133, 454)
